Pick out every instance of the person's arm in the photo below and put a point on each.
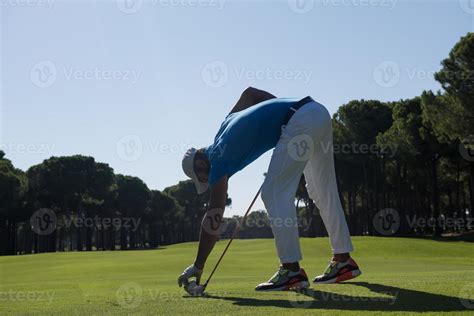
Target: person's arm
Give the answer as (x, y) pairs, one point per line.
(251, 96)
(211, 223)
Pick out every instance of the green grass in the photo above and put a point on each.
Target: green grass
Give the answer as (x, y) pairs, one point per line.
(399, 276)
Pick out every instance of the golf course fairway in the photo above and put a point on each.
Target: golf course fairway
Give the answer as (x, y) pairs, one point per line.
(399, 276)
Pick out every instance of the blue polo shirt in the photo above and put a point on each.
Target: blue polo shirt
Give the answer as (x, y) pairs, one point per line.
(246, 135)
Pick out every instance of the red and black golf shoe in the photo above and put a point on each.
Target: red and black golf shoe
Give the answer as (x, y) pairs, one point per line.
(337, 272)
(285, 280)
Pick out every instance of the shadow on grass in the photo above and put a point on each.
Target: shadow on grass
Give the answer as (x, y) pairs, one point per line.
(391, 299)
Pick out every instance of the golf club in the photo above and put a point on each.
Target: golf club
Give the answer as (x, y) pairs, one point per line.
(200, 288)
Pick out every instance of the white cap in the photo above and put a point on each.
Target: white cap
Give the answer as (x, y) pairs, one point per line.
(188, 168)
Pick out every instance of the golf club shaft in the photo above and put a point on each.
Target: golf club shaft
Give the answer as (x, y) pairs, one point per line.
(236, 230)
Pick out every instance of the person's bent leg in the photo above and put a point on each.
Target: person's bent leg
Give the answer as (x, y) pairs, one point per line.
(278, 195)
(321, 182)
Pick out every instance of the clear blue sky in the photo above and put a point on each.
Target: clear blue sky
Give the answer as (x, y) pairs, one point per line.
(134, 84)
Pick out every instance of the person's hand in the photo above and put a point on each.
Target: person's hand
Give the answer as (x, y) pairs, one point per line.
(188, 273)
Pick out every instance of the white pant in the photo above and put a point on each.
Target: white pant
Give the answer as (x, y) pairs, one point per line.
(305, 146)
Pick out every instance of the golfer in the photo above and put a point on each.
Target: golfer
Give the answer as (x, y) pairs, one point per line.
(300, 131)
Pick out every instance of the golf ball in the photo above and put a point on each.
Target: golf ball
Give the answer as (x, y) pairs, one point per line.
(194, 289)
(199, 290)
(191, 287)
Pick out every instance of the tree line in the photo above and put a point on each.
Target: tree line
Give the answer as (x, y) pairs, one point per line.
(406, 165)
(76, 203)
